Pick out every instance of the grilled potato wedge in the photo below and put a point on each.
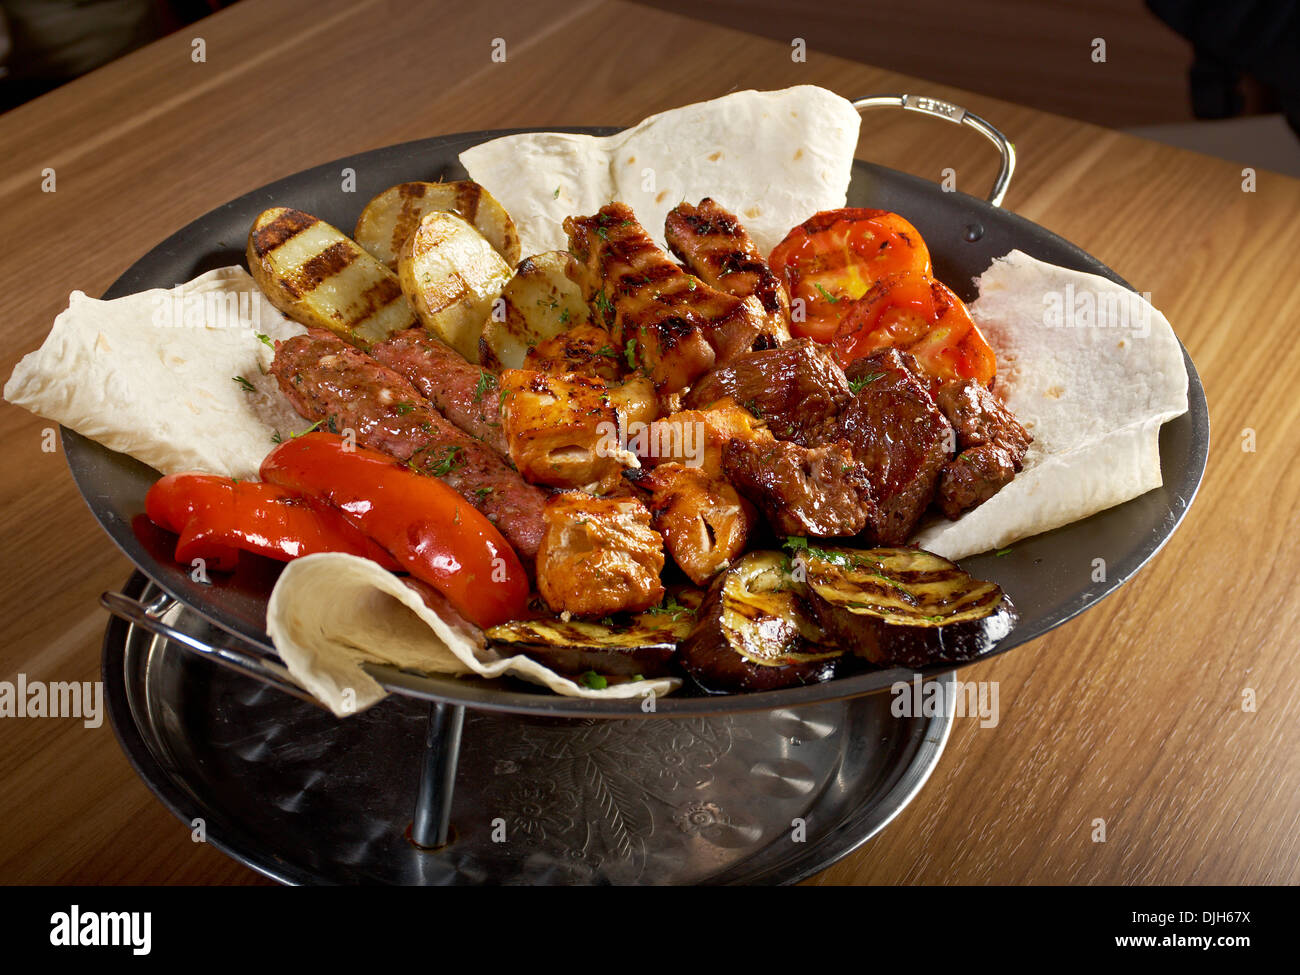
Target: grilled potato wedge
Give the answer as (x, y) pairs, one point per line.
(541, 303)
(392, 216)
(320, 278)
(452, 276)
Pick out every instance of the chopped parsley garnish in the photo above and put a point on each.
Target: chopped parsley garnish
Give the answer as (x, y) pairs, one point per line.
(827, 295)
(629, 353)
(404, 408)
(556, 194)
(275, 437)
(450, 461)
(265, 340)
(857, 384)
(672, 607)
(303, 433)
(607, 350)
(1002, 553)
(604, 305)
(482, 492)
(485, 379)
(244, 384)
(594, 680)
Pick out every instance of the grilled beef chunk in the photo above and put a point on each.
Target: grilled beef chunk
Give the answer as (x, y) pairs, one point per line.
(794, 389)
(710, 241)
(900, 437)
(991, 444)
(819, 491)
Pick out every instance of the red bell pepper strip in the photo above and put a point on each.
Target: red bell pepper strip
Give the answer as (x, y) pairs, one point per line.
(217, 517)
(435, 534)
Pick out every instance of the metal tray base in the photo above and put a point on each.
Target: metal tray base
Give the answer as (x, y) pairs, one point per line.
(303, 797)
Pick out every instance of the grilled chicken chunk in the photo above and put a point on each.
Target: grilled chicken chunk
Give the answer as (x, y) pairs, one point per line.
(703, 519)
(668, 322)
(792, 389)
(569, 430)
(696, 438)
(599, 556)
(991, 446)
(585, 349)
(710, 241)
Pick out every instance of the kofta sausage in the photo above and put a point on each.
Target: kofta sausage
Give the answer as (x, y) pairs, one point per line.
(342, 388)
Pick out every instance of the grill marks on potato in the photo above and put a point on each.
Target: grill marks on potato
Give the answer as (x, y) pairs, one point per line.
(408, 216)
(390, 218)
(285, 226)
(317, 276)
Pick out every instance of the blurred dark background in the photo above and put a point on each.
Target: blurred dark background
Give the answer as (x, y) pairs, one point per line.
(1221, 76)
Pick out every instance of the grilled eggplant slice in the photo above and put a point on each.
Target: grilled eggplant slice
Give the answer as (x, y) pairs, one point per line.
(643, 644)
(902, 607)
(754, 632)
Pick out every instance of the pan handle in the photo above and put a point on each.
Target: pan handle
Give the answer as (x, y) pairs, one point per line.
(954, 113)
(150, 618)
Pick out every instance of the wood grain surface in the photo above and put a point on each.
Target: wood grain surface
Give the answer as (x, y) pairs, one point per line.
(1131, 713)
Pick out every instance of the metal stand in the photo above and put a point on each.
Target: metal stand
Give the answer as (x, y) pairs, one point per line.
(430, 828)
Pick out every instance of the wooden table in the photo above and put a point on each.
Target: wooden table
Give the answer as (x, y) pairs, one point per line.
(1131, 713)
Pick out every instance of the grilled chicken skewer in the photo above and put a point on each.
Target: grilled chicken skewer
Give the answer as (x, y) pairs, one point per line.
(710, 241)
(675, 326)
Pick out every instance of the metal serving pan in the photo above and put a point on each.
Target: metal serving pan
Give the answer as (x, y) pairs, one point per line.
(1048, 576)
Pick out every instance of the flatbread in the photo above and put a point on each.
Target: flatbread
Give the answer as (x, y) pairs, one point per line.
(1092, 370)
(330, 613)
(774, 158)
(152, 374)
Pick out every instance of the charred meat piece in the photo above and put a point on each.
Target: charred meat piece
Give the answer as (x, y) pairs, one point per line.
(667, 322)
(704, 521)
(567, 430)
(793, 389)
(599, 556)
(754, 632)
(464, 393)
(585, 349)
(341, 388)
(991, 446)
(819, 491)
(710, 241)
(899, 437)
